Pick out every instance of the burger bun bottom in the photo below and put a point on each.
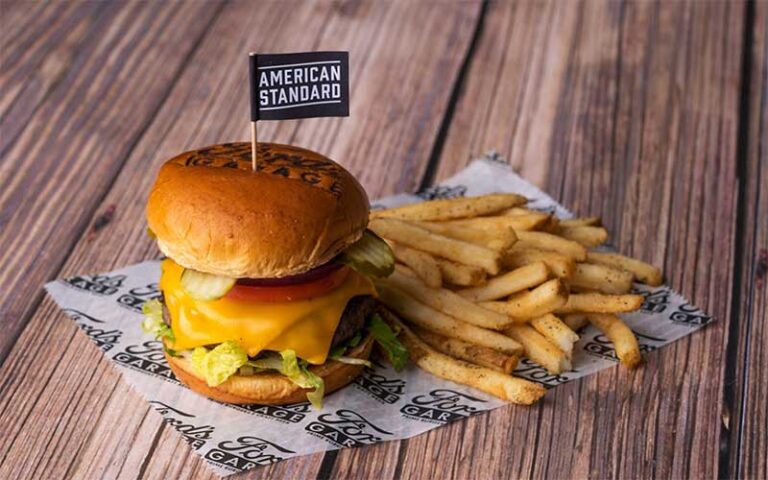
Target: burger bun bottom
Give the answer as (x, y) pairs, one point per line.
(271, 388)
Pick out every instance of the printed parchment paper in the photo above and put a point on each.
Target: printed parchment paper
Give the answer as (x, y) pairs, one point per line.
(381, 405)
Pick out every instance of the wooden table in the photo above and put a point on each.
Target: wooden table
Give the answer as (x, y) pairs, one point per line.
(654, 116)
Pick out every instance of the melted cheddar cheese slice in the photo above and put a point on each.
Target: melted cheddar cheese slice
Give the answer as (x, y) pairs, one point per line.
(306, 326)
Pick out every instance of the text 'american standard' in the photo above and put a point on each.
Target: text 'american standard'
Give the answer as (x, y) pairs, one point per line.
(299, 85)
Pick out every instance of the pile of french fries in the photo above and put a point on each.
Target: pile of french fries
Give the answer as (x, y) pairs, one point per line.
(481, 282)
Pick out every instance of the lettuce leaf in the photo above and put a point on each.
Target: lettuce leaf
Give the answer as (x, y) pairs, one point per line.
(298, 372)
(267, 361)
(338, 352)
(247, 370)
(229, 358)
(172, 352)
(217, 365)
(353, 361)
(153, 321)
(290, 367)
(355, 341)
(387, 340)
(315, 397)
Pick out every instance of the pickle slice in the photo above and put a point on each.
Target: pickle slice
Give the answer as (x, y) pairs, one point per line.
(205, 286)
(370, 256)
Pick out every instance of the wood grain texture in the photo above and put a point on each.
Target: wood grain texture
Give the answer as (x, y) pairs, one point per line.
(35, 58)
(108, 71)
(748, 377)
(628, 111)
(409, 56)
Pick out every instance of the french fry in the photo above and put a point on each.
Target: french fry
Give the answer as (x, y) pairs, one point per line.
(518, 222)
(500, 239)
(447, 302)
(528, 223)
(422, 264)
(575, 321)
(580, 222)
(511, 282)
(552, 225)
(557, 332)
(544, 299)
(436, 321)
(600, 303)
(459, 274)
(447, 209)
(533, 219)
(624, 340)
(464, 243)
(406, 270)
(506, 387)
(547, 241)
(642, 271)
(416, 237)
(559, 265)
(601, 278)
(475, 330)
(490, 225)
(586, 235)
(469, 352)
(539, 349)
(576, 289)
(519, 211)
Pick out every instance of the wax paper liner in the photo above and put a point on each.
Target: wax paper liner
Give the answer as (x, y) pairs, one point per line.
(381, 405)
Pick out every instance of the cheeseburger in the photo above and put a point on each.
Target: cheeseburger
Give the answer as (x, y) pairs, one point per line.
(266, 290)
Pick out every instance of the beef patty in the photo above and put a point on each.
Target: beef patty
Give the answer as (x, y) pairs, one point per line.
(353, 318)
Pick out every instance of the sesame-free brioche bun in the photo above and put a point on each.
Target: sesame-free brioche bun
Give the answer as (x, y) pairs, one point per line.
(212, 213)
(271, 388)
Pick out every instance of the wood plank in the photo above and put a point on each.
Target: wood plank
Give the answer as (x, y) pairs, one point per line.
(628, 110)
(18, 14)
(111, 73)
(39, 41)
(748, 377)
(396, 47)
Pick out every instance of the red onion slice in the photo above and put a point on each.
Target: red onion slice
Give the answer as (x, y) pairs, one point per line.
(306, 277)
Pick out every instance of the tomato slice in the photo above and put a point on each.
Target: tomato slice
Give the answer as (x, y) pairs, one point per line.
(289, 293)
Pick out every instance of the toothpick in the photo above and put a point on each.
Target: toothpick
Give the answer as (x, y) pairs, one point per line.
(254, 151)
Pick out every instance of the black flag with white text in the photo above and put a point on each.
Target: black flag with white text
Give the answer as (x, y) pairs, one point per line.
(299, 85)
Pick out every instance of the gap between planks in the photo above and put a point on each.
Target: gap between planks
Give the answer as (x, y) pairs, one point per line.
(81, 230)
